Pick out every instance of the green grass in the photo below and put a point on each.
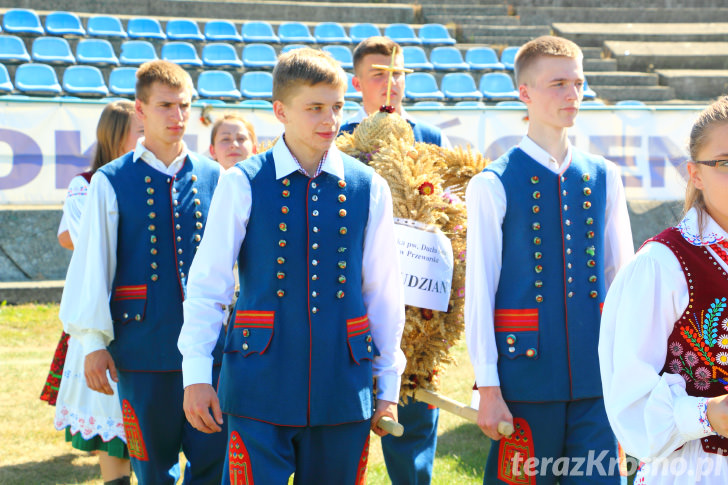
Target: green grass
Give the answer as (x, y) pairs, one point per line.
(33, 452)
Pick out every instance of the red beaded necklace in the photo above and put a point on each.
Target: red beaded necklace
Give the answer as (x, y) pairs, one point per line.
(721, 249)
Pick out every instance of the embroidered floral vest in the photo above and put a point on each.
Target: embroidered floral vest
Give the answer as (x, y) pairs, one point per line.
(697, 348)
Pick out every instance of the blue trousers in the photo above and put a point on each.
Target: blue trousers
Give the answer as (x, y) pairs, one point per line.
(572, 443)
(157, 430)
(264, 453)
(409, 458)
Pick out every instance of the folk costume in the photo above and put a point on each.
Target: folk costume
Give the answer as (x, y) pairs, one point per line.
(124, 291)
(545, 240)
(91, 420)
(409, 458)
(662, 353)
(319, 315)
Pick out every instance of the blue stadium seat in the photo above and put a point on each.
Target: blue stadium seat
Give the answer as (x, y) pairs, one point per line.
(257, 85)
(402, 34)
(290, 47)
(342, 54)
(430, 104)
(471, 104)
(295, 32)
(497, 85)
(359, 32)
(182, 53)
(448, 59)
(137, 52)
(625, 102)
(351, 92)
(512, 102)
(52, 50)
(259, 56)
(64, 24)
(22, 21)
(255, 103)
(220, 55)
(421, 86)
(37, 79)
(122, 81)
(415, 57)
(184, 29)
(483, 59)
(84, 81)
(460, 86)
(106, 26)
(222, 31)
(508, 56)
(145, 28)
(259, 31)
(588, 93)
(12, 50)
(351, 105)
(6, 86)
(211, 102)
(218, 85)
(592, 102)
(331, 33)
(435, 34)
(96, 51)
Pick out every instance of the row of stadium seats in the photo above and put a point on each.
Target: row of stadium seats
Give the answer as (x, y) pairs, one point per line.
(88, 81)
(222, 55)
(61, 23)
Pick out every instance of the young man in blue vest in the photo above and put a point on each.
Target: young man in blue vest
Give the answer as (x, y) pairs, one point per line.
(547, 231)
(144, 219)
(409, 458)
(320, 312)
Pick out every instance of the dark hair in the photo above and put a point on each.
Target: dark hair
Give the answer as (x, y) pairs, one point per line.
(374, 45)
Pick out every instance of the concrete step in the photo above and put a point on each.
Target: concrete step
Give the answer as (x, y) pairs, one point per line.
(462, 9)
(621, 3)
(497, 40)
(469, 19)
(592, 52)
(702, 84)
(478, 28)
(620, 78)
(644, 56)
(642, 93)
(17, 293)
(549, 15)
(602, 65)
(594, 34)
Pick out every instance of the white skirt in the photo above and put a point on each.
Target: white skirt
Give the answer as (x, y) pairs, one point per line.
(89, 412)
(687, 466)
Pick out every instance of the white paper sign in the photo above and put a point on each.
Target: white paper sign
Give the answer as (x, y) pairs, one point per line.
(426, 263)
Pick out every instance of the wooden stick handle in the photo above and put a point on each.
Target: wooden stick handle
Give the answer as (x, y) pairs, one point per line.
(455, 407)
(391, 426)
(505, 428)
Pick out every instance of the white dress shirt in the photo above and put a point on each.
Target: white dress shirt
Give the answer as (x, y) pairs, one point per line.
(210, 281)
(486, 205)
(651, 414)
(361, 114)
(85, 310)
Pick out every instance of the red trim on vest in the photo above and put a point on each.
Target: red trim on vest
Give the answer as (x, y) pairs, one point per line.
(134, 438)
(507, 320)
(138, 292)
(513, 453)
(361, 471)
(241, 471)
(87, 176)
(254, 319)
(357, 326)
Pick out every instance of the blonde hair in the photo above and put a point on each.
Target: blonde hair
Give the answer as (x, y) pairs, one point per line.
(233, 117)
(111, 132)
(715, 114)
(163, 72)
(374, 45)
(308, 67)
(544, 46)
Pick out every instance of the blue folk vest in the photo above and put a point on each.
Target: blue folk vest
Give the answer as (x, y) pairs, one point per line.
(299, 351)
(551, 289)
(424, 132)
(161, 222)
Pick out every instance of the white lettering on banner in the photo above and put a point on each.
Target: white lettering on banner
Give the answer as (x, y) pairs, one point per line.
(426, 263)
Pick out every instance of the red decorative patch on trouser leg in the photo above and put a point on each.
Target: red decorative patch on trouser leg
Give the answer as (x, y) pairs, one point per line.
(361, 471)
(241, 472)
(134, 439)
(513, 453)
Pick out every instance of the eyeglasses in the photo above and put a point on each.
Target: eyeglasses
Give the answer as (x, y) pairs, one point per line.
(713, 163)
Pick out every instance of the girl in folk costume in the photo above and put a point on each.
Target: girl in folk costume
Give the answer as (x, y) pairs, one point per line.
(663, 346)
(92, 420)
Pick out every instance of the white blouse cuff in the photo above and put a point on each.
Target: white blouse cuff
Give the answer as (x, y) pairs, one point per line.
(691, 417)
(196, 370)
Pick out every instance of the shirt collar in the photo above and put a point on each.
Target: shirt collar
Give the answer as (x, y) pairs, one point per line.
(361, 114)
(689, 227)
(286, 164)
(533, 150)
(140, 151)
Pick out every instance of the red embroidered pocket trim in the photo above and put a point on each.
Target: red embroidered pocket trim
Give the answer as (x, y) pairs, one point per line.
(254, 319)
(241, 471)
(138, 292)
(134, 439)
(357, 326)
(516, 320)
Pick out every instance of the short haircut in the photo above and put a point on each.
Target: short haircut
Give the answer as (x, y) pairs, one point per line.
(305, 66)
(374, 45)
(233, 117)
(163, 72)
(111, 132)
(544, 46)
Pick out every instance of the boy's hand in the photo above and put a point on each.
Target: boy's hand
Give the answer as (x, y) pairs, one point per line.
(94, 366)
(384, 408)
(199, 399)
(718, 414)
(491, 411)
